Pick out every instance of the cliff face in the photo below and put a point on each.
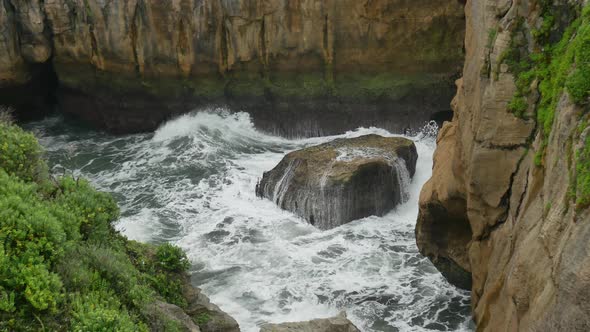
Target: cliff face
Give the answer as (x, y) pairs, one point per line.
(129, 64)
(505, 212)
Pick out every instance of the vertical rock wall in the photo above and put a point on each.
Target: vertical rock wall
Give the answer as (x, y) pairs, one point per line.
(501, 214)
(129, 64)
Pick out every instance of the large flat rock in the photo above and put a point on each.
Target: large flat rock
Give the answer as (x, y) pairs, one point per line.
(347, 179)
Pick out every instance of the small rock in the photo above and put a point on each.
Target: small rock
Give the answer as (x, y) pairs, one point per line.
(207, 315)
(164, 315)
(335, 324)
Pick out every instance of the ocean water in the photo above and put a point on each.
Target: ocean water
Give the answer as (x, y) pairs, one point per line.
(192, 183)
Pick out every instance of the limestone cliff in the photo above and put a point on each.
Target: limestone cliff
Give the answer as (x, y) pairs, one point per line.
(129, 64)
(505, 212)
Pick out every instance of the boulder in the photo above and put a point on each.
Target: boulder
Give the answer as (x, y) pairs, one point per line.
(335, 324)
(343, 180)
(207, 315)
(166, 316)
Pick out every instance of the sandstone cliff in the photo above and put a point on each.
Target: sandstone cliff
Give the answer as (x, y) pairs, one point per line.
(129, 64)
(505, 212)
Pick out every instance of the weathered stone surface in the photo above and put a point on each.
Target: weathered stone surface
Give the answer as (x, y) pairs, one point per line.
(343, 180)
(35, 44)
(209, 316)
(489, 211)
(442, 230)
(13, 70)
(162, 315)
(335, 324)
(128, 65)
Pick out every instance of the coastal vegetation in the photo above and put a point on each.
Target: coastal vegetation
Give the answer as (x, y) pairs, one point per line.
(62, 264)
(554, 68)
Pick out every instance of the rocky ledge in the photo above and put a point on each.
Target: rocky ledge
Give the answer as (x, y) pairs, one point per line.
(197, 315)
(335, 324)
(343, 180)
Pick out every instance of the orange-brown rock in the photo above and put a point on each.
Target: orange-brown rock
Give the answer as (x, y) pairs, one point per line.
(129, 64)
(491, 211)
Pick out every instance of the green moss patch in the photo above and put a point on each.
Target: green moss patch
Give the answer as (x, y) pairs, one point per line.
(558, 68)
(583, 176)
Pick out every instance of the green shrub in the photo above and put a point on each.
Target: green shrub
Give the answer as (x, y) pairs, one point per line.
(6, 115)
(32, 240)
(172, 258)
(173, 326)
(165, 278)
(578, 83)
(94, 210)
(115, 267)
(170, 287)
(518, 105)
(558, 67)
(20, 153)
(101, 311)
(202, 318)
(492, 34)
(583, 176)
(62, 265)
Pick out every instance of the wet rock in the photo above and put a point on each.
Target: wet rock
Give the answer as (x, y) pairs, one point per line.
(207, 315)
(335, 324)
(343, 180)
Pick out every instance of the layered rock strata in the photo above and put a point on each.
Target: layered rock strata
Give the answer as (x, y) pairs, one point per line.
(506, 207)
(300, 67)
(343, 180)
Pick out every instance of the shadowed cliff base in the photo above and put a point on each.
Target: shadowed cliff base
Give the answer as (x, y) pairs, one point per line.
(443, 236)
(35, 98)
(297, 105)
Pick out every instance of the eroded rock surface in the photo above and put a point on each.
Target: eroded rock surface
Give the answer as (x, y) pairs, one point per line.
(161, 315)
(301, 67)
(343, 180)
(209, 316)
(335, 324)
(501, 206)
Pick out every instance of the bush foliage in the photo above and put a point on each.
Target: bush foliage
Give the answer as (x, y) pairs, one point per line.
(558, 67)
(62, 264)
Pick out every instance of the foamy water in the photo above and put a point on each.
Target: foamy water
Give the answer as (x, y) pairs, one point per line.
(192, 183)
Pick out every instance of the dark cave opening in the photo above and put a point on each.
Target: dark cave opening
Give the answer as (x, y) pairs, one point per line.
(36, 98)
(441, 117)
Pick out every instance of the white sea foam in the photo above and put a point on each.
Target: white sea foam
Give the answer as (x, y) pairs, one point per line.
(192, 183)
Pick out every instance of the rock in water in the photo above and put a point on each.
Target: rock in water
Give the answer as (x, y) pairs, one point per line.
(343, 180)
(335, 324)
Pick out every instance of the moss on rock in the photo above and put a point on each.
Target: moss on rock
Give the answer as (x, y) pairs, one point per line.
(343, 180)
